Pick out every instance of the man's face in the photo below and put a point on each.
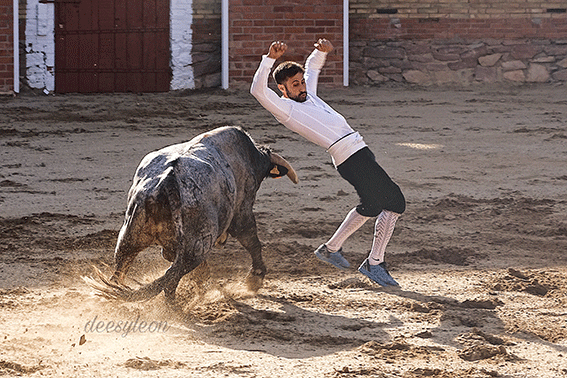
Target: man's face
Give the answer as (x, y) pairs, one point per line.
(294, 88)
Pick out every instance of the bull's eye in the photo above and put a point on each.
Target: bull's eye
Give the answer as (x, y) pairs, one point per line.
(275, 171)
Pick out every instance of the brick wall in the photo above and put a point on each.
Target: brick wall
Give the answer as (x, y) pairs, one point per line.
(6, 46)
(421, 42)
(456, 9)
(254, 24)
(448, 41)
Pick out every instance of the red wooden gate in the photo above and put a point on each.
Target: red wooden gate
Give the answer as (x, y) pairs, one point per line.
(112, 46)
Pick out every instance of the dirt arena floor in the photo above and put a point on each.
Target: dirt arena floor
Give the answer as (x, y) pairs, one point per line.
(481, 252)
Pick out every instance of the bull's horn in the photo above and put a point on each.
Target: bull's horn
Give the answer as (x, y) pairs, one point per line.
(277, 159)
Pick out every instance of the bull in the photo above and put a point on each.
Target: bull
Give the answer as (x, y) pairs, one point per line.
(188, 198)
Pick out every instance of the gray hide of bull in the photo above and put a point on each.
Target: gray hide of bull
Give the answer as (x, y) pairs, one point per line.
(189, 196)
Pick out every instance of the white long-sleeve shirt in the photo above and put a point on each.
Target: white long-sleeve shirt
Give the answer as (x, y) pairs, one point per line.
(312, 119)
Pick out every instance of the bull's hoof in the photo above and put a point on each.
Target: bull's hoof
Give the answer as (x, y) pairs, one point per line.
(254, 282)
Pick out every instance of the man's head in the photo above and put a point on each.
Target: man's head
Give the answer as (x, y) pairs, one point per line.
(289, 77)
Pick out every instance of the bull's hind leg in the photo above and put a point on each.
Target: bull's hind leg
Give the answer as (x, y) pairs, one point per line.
(124, 255)
(184, 263)
(132, 239)
(188, 256)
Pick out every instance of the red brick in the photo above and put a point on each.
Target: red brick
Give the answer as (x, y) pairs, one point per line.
(326, 22)
(263, 23)
(252, 30)
(283, 9)
(315, 30)
(303, 22)
(274, 30)
(241, 22)
(294, 30)
(301, 9)
(240, 37)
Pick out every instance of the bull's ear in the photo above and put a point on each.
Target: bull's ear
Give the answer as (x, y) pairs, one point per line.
(277, 171)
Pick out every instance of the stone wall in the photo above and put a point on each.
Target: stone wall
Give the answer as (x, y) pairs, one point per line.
(446, 41)
(427, 62)
(421, 42)
(6, 46)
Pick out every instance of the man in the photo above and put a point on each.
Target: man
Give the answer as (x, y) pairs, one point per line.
(300, 110)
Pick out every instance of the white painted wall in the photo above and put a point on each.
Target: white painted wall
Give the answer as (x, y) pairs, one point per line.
(181, 44)
(40, 45)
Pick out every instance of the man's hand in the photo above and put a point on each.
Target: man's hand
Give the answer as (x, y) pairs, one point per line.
(277, 49)
(324, 45)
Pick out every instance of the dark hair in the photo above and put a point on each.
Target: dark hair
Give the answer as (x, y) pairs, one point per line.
(286, 70)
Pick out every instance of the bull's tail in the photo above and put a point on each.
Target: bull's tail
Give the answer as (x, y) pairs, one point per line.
(111, 289)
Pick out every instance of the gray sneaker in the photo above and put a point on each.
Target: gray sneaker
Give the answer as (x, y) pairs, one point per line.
(334, 258)
(377, 273)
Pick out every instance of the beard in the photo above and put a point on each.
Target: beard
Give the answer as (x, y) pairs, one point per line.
(301, 97)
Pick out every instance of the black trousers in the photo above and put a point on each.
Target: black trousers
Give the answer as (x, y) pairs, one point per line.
(375, 188)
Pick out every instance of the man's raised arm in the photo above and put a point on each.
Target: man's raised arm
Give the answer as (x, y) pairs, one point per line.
(259, 88)
(315, 62)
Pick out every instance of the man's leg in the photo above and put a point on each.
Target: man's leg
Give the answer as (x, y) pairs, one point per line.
(330, 252)
(377, 192)
(353, 221)
(384, 228)
(374, 267)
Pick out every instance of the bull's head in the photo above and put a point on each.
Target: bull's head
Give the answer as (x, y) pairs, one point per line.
(281, 167)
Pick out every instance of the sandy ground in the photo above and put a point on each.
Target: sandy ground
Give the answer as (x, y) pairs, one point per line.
(480, 253)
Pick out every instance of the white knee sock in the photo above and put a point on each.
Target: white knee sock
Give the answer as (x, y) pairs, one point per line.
(352, 222)
(383, 230)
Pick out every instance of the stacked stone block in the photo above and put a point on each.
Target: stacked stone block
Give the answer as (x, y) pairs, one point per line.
(460, 62)
(448, 41)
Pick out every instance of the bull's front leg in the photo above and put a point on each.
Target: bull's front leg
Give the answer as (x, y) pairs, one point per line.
(249, 240)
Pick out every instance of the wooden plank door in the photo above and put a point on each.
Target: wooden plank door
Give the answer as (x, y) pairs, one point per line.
(112, 46)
